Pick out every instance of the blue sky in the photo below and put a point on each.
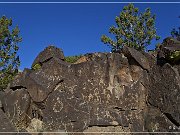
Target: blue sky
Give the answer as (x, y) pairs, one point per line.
(76, 28)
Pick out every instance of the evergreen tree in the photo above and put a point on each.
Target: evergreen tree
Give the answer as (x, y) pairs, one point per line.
(9, 61)
(133, 29)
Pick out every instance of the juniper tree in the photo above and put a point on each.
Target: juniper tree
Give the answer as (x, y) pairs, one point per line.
(9, 61)
(132, 29)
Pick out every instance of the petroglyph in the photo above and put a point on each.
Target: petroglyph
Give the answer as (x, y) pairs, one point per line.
(58, 106)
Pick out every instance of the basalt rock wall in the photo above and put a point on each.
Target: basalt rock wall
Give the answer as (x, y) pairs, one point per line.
(102, 92)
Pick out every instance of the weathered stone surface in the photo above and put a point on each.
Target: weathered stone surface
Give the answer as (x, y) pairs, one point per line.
(109, 86)
(138, 56)
(82, 59)
(121, 91)
(171, 44)
(65, 112)
(37, 92)
(113, 130)
(46, 80)
(166, 49)
(48, 53)
(151, 57)
(165, 91)
(155, 121)
(35, 125)
(6, 125)
(20, 80)
(1, 97)
(15, 105)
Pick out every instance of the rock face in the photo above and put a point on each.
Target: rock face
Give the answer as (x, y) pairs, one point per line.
(16, 104)
(164, 93)
(104, 92)
(169, 51)
(6, 125)
(47, 54)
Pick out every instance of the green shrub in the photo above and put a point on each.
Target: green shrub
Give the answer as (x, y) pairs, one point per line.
(36, 66)
(174, 57)
(72, 59)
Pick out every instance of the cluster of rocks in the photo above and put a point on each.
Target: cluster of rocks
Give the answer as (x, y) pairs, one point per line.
(169, 51)
(102, 92)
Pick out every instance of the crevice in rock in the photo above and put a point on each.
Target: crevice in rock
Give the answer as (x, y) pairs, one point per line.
(118, 108)
(101, 126)
(36, 111)
(40, 105)
(36, 114)
(169, 116)
(126, 126)
(17, 87)
(46, 60)
(133, 109)
(90, 126)
(42, 62)
(132, 61)
(2, 108)
(56, 86)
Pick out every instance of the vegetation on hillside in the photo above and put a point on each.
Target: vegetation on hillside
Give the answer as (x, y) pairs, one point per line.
(72, 59)
(9, 60)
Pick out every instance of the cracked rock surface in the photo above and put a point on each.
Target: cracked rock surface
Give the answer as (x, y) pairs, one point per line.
(104, 92)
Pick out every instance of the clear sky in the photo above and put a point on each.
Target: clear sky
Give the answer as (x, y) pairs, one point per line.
(76, 28)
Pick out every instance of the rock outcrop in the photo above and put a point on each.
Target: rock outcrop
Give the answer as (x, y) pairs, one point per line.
(169, 51)
(104, 92)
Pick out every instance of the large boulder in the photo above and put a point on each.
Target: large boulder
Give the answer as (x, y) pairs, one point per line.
(132, 53)
(164, 91)
(47, 54)
(156, 121)
(120, 91)
(169, 51)
(16, 105)
(43, 81)
(111, 88)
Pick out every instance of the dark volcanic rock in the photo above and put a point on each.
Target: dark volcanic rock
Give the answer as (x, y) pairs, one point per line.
(48, 53)
(20, 80)
(108, 85)
(155, 121)
(37, 92)
(166, 49)
(6, 125)
(46, 80)
(124, 91)
(138, 56)
(1, 97)
(15, 105)
(171, 44)
(165, 91)
(65, 111)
